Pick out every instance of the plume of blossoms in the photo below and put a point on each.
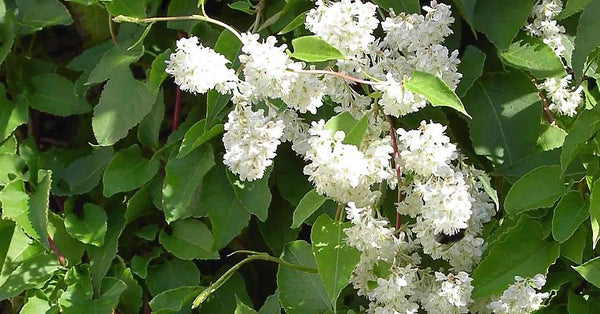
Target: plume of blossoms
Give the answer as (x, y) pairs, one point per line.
(342, 171)
(563, 99)
(545, 26)
(449, 294)
(251, 139)
(521, 297)
(198, 69)
(346, 25)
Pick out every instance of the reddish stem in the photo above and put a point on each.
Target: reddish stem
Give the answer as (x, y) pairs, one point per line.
(176, 113)
(397, 167)
(61, 258)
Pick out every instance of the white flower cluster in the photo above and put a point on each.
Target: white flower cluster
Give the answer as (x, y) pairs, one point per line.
(544, 24)
(406, 288)
(198, 69)
(251, 139)
(346, 25)
(342, 171)
(563, 99)
(521, 297)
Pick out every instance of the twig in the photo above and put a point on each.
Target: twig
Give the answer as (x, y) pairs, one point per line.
(61, 258)
(397, 167)
(177, 110)
(112, 31)
(545, 106)
(338, 74)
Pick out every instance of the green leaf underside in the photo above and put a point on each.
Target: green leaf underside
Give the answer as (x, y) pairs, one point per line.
(189, 239)
(435, 90)
(570, 212)
(309, 204)
(531, 54)
(314, 49)
(590, 270)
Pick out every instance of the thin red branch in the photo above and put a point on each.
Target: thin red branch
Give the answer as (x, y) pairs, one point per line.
(61, 258)
(547, 112)
(177, 111)
(398, 170)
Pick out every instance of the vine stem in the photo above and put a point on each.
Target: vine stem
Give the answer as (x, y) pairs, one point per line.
(260, 256)
(338, 212)
(338, 74)
(397, 168)
(547, 112)
(112, 31)
(129, 19)
(61, 258)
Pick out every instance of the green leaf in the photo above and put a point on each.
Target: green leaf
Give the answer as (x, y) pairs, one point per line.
(73, 301)
(117, 59)
(54, 94)
(435, 90)
(41, 13)
(523, 252)
(301, 292)
(570, 212)
(471, 66)
(353, 129)
(547, 183)
(132, 8)
(140, 204)
(501, 20)
(551, 137)
(32, 273)
(11, 166)
(174, 299)
(149, 128)
(243, 6)
(12, 114)
(241, 308)
(128, 170)
(38, 207)
(408, 6)
(271, 305)
(89, 226)
(574, 247)
(70, 248)
(170, 275)
(198, 135)
(227, 215)
(572, 7)
(139, 264)
(123, 104)
(314, 49)
(587, 37)
(83, 174)
(183, 175)
(130, 300)
(578, 304)
(506, 113)
(183, 8)
(295, 23)
(590, 270)
(467, 9)
(157, 72)
(15, 206)
(101, 257)
(531, 54)
(309, 204)
(335, 259)
(189, 239)
(255, 195)
(7, 39)
(595, 212)
(224, 299)
(36, 305)
(587, 123)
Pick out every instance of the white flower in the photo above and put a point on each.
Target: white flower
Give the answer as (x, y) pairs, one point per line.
(545, 26)
(306, 94)
(426, 151)
(397, 100)
(343, 172)
(521, 297)
(394, 294)
(250, 139)
(451, 294)
(198, 69)
(346, 25)
(268, 70)
(563, 99)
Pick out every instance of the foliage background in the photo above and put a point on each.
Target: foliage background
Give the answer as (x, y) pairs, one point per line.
(115, 197)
